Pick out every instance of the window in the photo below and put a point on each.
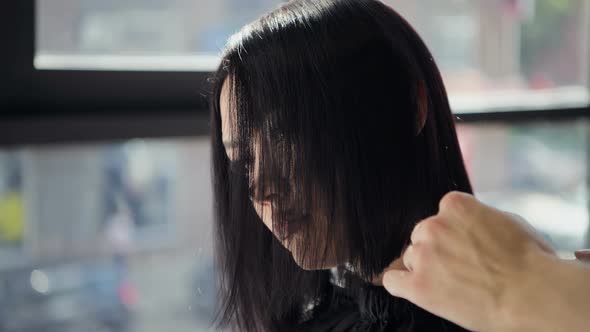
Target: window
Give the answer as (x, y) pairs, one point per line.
(507, 54)
(105, 197)
(494, 54)
(537, 170)
(111, 234)
(130, 34)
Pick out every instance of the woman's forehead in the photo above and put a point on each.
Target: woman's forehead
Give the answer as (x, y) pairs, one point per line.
(227, 119)
(224, 106)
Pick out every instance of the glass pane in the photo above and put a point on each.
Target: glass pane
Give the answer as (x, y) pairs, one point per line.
(494, 54)
(119, 235)
(507, 54)
(537, 170)
(133, 34)
(106, 237)
(12, 217)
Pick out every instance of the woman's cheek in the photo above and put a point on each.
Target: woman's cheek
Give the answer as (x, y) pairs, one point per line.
(264, 214)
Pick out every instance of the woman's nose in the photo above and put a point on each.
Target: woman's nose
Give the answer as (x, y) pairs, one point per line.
(272, 192)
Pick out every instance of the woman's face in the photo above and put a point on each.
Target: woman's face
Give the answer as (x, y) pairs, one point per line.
(265, 203)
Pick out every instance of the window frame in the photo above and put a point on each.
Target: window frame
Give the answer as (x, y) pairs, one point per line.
(50, 106)
(44, 106)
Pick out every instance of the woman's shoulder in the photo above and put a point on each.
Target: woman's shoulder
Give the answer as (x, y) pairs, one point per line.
(371, 308)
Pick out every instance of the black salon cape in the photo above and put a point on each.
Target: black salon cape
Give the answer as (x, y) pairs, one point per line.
(371, 308)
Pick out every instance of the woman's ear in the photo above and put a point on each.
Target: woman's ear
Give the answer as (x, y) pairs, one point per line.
(422, 107)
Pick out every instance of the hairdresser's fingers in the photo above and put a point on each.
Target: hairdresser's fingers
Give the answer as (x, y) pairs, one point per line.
(416, 284)
(459, 207)
(583, 255)
(436, 232)
(399, 283)
(425, 230)
(397, 264)
(408, 257)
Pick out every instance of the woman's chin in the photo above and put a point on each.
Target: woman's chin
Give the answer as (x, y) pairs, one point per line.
(308, 264)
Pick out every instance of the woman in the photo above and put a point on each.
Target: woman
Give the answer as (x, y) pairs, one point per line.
(332, 136)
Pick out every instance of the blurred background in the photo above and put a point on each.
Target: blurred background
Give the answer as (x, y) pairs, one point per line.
(105, 200)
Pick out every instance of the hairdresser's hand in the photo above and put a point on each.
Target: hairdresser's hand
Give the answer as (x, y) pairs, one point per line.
(486, 270)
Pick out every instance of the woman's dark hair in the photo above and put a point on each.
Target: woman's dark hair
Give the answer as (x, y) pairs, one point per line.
(347, 103)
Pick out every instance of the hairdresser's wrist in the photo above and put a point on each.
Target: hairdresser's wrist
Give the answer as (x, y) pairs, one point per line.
(548, 294)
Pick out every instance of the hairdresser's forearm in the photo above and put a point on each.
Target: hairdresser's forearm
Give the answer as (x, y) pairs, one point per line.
(552, 295)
